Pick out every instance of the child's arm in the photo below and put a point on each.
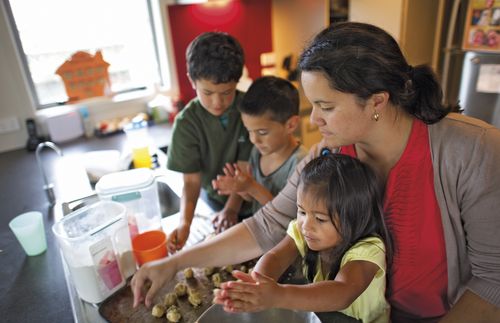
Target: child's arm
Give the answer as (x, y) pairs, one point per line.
(190, 194)
(274, 262)
(242, 182)
(323, 296)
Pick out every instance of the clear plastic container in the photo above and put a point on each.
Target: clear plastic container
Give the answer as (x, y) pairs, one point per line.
(95, 242)
(137, 190)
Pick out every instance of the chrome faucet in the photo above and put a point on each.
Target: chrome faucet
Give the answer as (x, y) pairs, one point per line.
(47, 187)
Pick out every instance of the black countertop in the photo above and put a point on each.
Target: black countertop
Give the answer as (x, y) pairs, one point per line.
(34, 288)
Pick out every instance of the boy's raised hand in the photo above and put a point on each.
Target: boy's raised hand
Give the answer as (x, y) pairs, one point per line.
(234, 180)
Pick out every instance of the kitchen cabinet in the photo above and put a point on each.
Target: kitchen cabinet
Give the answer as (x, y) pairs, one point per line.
(413, 23)
(294, 24)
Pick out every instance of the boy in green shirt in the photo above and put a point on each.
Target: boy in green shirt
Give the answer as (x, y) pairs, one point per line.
(208, 132)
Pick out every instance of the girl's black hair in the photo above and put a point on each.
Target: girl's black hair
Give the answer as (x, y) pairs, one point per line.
(363, 60)
(351, 192)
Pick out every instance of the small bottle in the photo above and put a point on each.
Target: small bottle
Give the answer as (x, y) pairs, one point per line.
(88, 128)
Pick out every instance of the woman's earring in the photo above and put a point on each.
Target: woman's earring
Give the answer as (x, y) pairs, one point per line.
(375, 116)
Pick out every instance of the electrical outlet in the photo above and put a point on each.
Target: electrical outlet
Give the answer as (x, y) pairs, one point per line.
(9, 124)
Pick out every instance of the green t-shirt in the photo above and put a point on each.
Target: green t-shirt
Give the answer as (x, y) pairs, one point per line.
(200, 143)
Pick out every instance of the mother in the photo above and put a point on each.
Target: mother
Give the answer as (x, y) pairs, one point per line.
(440, 173)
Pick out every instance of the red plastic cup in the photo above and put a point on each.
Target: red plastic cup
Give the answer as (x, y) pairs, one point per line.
(149, 246)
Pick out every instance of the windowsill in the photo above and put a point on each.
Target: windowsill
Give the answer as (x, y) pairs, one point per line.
(100, 108)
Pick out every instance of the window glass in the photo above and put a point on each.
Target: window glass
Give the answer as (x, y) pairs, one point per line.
(51, 31)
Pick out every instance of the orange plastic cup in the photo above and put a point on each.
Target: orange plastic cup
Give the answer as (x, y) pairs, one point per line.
(149, 246)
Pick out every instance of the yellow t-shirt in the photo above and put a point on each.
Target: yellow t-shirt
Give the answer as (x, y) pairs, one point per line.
(371, 306)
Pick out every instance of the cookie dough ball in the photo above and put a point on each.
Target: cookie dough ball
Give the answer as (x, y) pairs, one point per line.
(209, 271)
(194, 298)
(228, 268)
(173, 314)
(180, 289)
(216, 279)
(188, 273)
(170, 299)
(158, 310)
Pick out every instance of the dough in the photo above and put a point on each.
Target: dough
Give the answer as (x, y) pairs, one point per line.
(228, 268)
(194, 298)
(170, 299)
(209, 271)
(180, 289)
(188, 273)
(173, 314)
(216, 279)
(158, 310)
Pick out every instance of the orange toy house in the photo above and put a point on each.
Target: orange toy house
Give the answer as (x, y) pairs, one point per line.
(84, 76)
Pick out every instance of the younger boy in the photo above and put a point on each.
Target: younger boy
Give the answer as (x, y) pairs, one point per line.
(208, 132)
(270, 113)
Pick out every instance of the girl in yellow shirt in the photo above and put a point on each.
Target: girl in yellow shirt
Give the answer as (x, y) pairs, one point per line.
(340, 235)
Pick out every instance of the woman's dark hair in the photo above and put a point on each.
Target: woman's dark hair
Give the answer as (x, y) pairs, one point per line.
(363, 60)
(215, 56)
(351, 192)
(274, 95)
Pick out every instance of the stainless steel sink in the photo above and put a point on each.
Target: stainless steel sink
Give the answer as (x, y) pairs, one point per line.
(169, 201)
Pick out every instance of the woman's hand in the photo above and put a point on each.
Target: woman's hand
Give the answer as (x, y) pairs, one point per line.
(177, 238)
(255, 292)
(157, 273)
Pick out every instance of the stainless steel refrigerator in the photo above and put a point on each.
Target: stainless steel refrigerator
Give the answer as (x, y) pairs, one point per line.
(479, 93)
(472, 77)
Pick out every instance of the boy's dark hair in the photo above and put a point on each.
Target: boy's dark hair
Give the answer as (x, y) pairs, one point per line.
(363, 60)
(215, 56)
(271, 94)
(351, 192)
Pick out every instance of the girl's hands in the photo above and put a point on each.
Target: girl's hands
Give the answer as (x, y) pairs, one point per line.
(253, 293)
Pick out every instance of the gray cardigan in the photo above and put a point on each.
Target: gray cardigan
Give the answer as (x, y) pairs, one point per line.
(466, 162)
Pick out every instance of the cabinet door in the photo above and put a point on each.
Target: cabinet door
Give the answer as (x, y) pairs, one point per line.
(417, 37)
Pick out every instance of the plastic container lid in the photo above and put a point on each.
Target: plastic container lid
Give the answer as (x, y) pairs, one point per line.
(89, 220)
(125, 181)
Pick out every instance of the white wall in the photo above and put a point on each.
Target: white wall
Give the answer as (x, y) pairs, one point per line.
(14, 97)
(294, 24)
(385, 14)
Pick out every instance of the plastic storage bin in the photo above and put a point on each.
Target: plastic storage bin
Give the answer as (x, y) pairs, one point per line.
(137, 190)
(96, 246)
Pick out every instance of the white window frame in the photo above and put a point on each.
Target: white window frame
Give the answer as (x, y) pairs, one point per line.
(162, 44)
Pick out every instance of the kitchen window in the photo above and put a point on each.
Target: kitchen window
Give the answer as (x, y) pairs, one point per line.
(49, 32)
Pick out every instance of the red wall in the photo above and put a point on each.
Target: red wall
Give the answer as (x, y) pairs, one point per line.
(247, 20)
